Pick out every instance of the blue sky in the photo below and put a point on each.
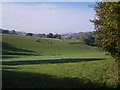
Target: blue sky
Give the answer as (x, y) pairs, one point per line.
(50, 0)
(39, 17)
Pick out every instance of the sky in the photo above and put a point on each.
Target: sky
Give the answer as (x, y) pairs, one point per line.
(50, 0)
(47, 17)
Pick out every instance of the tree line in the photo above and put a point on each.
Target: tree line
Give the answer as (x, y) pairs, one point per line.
(86, 37)
(50, 35)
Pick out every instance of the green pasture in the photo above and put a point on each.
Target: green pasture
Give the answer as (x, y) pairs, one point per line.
(51, 63)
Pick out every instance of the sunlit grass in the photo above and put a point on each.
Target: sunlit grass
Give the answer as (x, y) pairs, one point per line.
(64, 63)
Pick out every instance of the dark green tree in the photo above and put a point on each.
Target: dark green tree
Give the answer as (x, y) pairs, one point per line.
(50, 35)
(107, 25)
(29, 34)
(58, 36)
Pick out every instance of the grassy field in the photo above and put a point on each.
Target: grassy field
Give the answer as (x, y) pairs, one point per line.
(49, 63)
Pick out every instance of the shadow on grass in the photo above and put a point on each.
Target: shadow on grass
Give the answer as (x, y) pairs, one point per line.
(7, 56)
(55, 61)
(8, 49)
(18, 53)
(14, 79)
(76, 42)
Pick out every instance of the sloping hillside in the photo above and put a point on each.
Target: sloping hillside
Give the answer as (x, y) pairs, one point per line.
(25, 45)
(40, 62)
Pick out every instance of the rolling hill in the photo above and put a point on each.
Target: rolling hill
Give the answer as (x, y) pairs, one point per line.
(41, 62)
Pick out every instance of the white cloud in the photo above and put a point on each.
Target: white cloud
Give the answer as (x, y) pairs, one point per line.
(45, 18)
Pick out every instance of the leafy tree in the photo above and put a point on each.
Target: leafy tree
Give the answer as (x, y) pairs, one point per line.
(107, 24)
(29, 34)
(89, 41)
(57, 36)
(88, 38)
(5, 31)
(50, 35)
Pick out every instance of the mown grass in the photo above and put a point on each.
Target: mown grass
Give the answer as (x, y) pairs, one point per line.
(64, 63)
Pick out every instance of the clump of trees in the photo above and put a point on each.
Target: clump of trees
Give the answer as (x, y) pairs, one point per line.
(88, 41)
(58, 36)
(29, 34)
(88, 38)
(50, 35)
(107, 25)
(5, 31)
(13, 32)
(40, 35)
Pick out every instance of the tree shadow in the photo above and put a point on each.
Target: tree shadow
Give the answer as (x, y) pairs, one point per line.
(7, 56)
(15, 79)
(53, 61)
(8, 49)
(7, 67)
(56, 54)
(76, 43)
(18, 53)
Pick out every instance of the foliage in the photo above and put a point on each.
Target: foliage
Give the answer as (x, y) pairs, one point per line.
(29, 34)
(107, 24)
(39, 35)
(89, 41)
(50, 35)
(4, 31)
(58, 36)
(88, 38)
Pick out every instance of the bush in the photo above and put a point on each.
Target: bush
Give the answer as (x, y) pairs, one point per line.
(29, 34)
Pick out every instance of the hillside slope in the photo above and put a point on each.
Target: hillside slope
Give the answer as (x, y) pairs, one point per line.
(25, 45)
(31, 63)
